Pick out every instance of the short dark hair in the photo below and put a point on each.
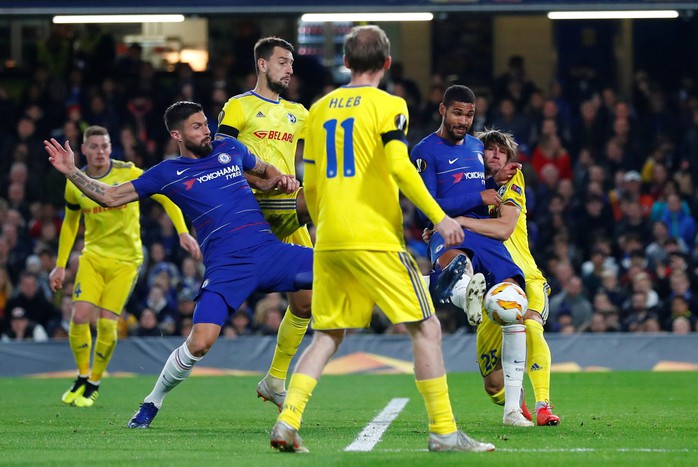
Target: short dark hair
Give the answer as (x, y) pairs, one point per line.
(179, 112)
(458, 93)
(366, 48)
(264, 48)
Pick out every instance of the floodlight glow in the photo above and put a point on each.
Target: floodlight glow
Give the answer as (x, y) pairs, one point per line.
(104, 19)
(361, 17)
(629, 14)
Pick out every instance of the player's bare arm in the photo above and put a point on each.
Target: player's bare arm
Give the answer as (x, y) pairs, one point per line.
(499, 228)
(63, 159)
(265, 177)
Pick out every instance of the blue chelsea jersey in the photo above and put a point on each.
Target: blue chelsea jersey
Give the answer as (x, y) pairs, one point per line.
(453, 173)
(214, 195)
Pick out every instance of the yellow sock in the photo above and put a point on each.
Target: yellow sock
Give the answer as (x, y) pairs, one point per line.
(80, 338)
(104, 347)
(435, 395)
(498, 398)
(289, 337)
(538, 360)
(299, 391)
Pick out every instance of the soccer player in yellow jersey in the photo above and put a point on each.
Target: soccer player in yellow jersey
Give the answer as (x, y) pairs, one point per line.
(510, 226)
(271, 128)
(356, 163)
(109, 263)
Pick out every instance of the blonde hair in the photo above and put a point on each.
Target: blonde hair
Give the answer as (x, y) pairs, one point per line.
(501, 139)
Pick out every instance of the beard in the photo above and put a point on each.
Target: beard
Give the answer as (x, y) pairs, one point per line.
(453, 135)
(201, 150)
(276, 86)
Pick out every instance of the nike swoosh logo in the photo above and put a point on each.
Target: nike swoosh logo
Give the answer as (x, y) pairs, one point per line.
(180, 172)
(519, 361)
(452, 161)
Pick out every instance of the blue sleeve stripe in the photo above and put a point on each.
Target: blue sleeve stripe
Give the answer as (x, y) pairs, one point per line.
(309, 161)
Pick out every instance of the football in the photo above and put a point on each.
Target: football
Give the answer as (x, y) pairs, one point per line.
(506, 303)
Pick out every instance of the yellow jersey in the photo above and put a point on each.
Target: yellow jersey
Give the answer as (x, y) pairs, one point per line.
(270, 129)
(514, 192)
(356, 162)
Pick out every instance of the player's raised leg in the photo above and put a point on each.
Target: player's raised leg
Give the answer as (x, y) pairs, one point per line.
(458, 284)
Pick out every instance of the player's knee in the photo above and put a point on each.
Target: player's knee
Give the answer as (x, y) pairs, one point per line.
(199, 345)
(431, 328)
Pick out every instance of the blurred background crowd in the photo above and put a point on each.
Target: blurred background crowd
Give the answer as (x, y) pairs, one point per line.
(611, 196)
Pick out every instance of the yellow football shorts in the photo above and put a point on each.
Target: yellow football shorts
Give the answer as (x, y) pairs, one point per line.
(489, 333)
(279, 210)
(347, 284)
(104, 282)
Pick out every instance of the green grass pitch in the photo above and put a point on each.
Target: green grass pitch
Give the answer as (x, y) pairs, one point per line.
(618, 418)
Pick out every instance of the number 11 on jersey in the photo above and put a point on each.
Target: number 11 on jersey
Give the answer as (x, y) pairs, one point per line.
(330, 127)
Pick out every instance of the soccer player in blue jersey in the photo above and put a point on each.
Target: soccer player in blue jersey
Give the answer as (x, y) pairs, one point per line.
(451, 163)
(240, 253)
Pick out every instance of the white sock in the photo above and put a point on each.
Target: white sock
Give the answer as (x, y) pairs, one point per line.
(177, 368)
(427, 280)
(513, 364)
(458, 294)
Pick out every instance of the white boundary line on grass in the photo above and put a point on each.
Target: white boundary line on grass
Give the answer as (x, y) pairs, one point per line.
(570, 450)
(371, 434)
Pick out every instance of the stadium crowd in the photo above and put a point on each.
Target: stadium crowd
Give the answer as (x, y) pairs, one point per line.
(612, 204)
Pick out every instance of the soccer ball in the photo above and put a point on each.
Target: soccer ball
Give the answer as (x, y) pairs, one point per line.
(506, 303)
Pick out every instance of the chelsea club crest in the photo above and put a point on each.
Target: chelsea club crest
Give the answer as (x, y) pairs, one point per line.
(223, 158)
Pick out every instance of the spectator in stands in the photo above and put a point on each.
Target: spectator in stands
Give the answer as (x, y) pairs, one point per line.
(679, 310)
(678, 218)
(573, 300)
(22, 328)
(549, 151)
(681, 325)
(148, 325)
(241, 323)
(33, 302)
(513, 84)
(156, 303)
(587, 131)
(636, 312)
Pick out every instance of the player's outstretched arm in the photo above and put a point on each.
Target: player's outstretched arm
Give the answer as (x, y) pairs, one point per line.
(499, 228)
(63, 159)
